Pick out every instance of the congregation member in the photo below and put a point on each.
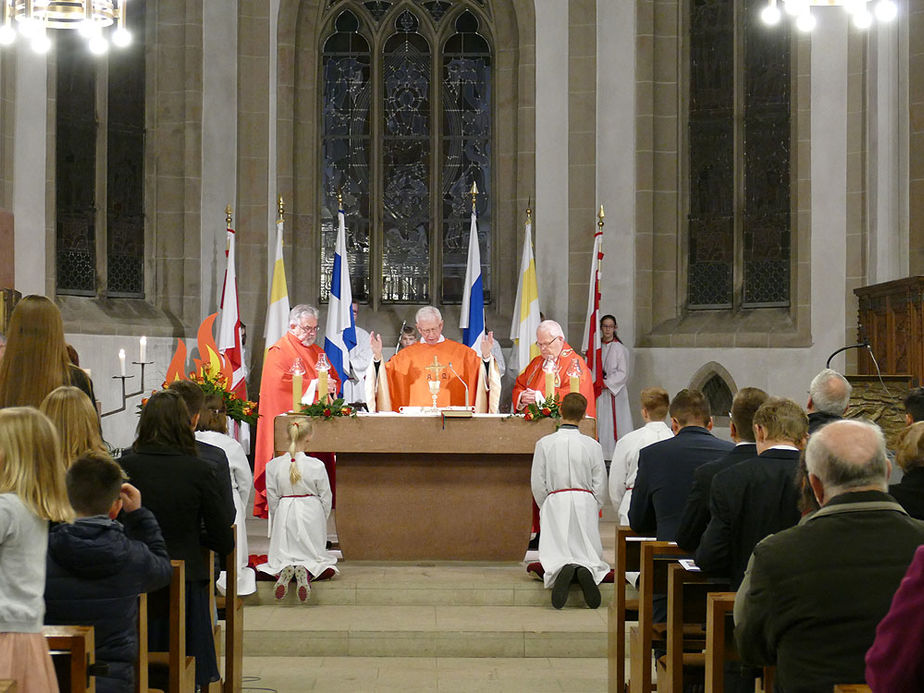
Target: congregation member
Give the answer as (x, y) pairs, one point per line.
(910, 457)
(32, 494)
(665, 469)
(695, 517)
(568, 480)
(76, 421)
(97, 566)
(296, 349)
(354, 388)
(895, 662)
(299, 498)
(813, 594)
(212, 429)
(213, 455)
(406, 338)
(181, 489)
(914, 406)
(465, 377)
(624, 466)
(829, 398)
(614, 415)
(756, 497)
(35, 361)
(556, 355)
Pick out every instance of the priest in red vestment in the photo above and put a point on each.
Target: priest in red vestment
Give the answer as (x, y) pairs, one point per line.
(530, 385)
(403, 380)
(276, 396)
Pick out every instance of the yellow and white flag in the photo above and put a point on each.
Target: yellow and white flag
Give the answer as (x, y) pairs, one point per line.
(526, 311)
(277, 315)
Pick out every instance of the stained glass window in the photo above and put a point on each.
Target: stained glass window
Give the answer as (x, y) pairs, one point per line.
(739, 154)
(406, 127)
(121, 231)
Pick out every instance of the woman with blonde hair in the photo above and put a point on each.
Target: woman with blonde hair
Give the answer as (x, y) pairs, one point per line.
(910, 457)
(35, 361)
(299, 500)
(76, 422)
(212, 428)
(32, 493)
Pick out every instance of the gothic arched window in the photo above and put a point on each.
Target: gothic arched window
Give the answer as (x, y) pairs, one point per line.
(406, 128)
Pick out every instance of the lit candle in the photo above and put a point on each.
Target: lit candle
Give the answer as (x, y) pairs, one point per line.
(549, 384)
(122, 361)
(296, 391)
(143, 350)
(575, 382)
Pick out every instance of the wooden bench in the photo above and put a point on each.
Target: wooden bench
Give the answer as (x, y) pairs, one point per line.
(687, 592)
(655, 557)
(721, 646)
(233, 608)
(181, 668)
(73, 650)
(622, 609)
(852, 688)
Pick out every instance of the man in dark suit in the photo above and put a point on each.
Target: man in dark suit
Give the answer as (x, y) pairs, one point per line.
(665, 469)
(757, 497)
(696, 513)
(829, 397)
(813, 594)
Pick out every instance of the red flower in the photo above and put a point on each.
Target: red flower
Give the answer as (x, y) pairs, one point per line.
(546, 411)
(528, 416)
(327, 412)
(346, 411)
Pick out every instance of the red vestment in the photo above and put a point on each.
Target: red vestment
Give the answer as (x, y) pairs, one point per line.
(533, 378)
(276, 398)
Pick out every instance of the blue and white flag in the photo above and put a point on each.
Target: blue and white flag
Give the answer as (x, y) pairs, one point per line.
(340, 335)
(472, 319)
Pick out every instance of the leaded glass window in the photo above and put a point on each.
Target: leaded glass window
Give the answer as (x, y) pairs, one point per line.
(739, 158)
(407, 128)
(100, 253)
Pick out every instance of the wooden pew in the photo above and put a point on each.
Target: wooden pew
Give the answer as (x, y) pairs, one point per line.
(141, 661)
(233, 607)
(655, 557)
(687, 592)
(182, 669)
(628, 559)
(721, 646)
(852, 688)
(76, 644)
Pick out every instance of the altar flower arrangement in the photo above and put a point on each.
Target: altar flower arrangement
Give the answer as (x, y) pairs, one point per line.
(216, 383)
(328, 410)
(547, 409)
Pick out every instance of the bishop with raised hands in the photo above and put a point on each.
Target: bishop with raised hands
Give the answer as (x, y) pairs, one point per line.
(465, 378)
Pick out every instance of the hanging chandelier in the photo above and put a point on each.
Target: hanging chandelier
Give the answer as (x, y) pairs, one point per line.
(862, 12)
(31, 20)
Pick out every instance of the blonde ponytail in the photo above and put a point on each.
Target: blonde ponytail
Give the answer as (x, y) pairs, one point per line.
(300, 430)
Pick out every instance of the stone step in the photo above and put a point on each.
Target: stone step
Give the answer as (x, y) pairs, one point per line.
(444, 584)
(424, 631)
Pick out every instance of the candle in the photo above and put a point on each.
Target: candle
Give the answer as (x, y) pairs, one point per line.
(143, 349)
(322, 385)
(549, 384)
(575, 383)
(122, 361)
(296, 392)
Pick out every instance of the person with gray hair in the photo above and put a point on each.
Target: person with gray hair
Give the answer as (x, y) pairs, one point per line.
(296, 350)
(829, 397)
(813, 594)
(404, 380)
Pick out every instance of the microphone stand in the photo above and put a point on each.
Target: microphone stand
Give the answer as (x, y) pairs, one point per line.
(400, 332)
(464, 384)
(862, 345)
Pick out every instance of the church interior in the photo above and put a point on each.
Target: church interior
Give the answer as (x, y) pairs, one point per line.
(759, 189)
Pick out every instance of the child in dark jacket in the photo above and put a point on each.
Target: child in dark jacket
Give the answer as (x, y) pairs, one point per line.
(97, 566)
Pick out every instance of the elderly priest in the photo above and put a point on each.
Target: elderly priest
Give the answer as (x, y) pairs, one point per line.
(556, 370)
(464, 378)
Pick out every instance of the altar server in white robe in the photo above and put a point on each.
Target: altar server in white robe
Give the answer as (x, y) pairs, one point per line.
(624, 465)
(212, 428)
(614, 415)
(299, 502)
(354, 387)
(569, 485)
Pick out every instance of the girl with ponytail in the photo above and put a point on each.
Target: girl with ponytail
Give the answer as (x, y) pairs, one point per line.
(299, 500)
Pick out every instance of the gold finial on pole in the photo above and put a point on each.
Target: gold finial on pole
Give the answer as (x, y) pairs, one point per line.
(281, 209)
(339, 199)
(529, 210)
(474, 193)
(600, 218)
(228, 217)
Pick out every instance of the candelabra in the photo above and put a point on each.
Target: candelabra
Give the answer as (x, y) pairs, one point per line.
(127, 395)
